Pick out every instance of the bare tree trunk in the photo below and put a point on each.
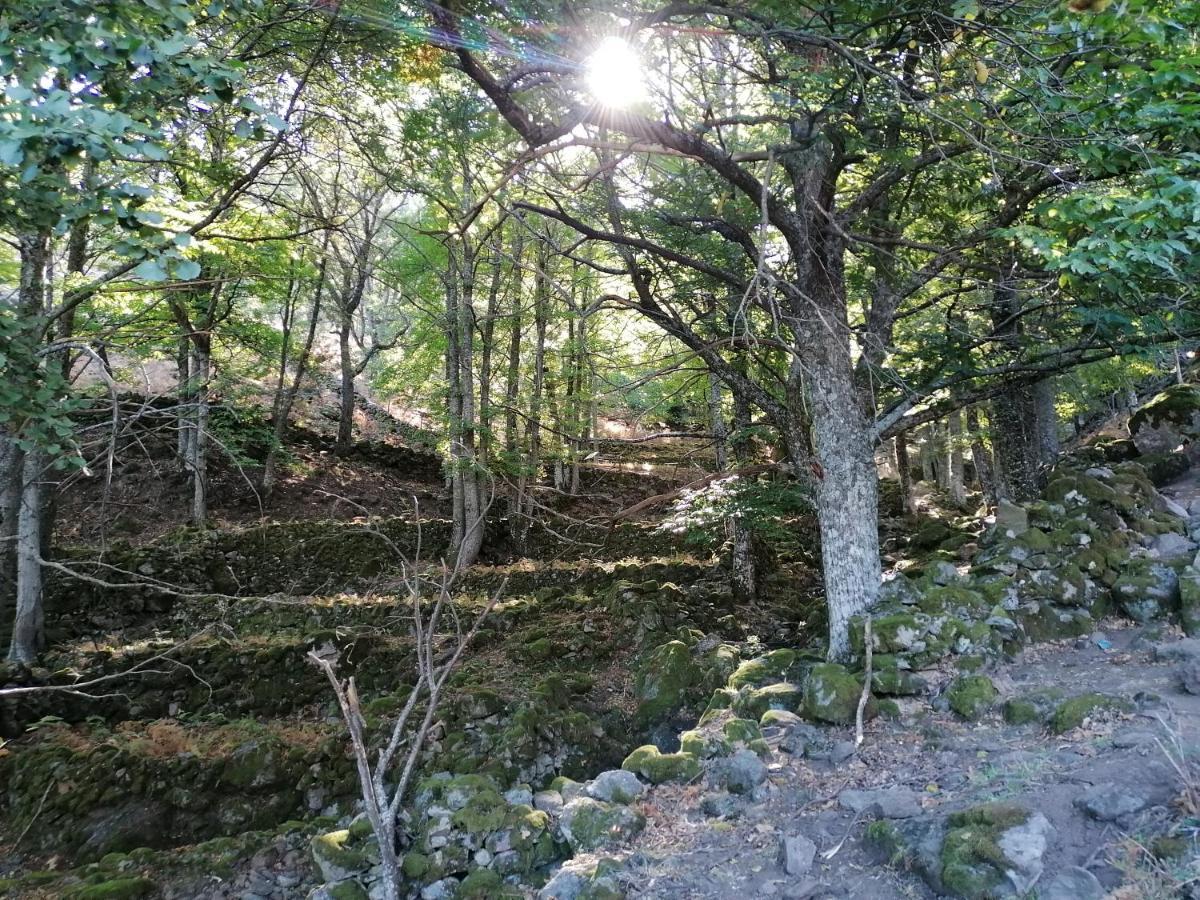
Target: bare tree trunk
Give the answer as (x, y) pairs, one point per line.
(1044, 395)
(743, 566)
(954, 460)
(27, 631)
(198, 447)
(185, 414)
(486, 339)
(847, 491)
(982, 459)
(928, 471)
(716, 418)
(11, 461)
(467, 537)
(904, 471)
(345, 433)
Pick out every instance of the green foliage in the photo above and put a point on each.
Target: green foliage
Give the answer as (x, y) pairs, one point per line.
(765, 507)
(34, 406)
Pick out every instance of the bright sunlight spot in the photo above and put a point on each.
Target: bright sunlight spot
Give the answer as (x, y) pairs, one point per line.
(614, 74)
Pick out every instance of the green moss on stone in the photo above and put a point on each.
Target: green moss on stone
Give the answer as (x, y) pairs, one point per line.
(1071, 713)
(831, 694)
(971, 696)
(973, 864)
(659, 768)
(764, 669)
(114, 889)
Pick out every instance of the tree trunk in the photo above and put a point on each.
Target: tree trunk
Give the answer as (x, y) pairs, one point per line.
(345, 433)
(10, 508)
(846, 491)
(198, 447)
(716, 418)
(28, 633)
(185, 414)
(904, 472)
(982, 459)
(744, 573)
(1044, 396)
(467, 536)
(486, 339)
(954, 460)
(926, 454)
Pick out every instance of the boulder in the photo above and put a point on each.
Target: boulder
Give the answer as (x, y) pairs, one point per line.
(993, 849)
(1011, 520)
(1147, 590)
(1168, 421)
(1073, 712)
(763, 670)
(1189, 600)
(1173, 549)
(886, 803)
(796, 854)
(588, 824)
(1074, 883)
(1189, 676)
(1110, 802)
(831, 694)
(659, 768)
(615, 786)
(738, 774)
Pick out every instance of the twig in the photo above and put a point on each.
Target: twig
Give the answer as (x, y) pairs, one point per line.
(866, 690)
(37, 812)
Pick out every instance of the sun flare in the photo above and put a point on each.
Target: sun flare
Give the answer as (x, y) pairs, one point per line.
(614, 74)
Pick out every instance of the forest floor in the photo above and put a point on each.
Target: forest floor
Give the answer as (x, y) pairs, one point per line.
(930, 764)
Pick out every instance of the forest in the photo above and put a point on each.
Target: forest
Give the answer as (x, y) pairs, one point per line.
(576, 451)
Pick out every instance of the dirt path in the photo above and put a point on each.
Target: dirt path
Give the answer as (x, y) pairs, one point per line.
(931, 763)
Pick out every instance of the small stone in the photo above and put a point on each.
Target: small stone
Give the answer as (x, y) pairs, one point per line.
(796, 854)
(519, 796)
(1109, 802)
(802, 890)
(1073, 884)
(841, 751)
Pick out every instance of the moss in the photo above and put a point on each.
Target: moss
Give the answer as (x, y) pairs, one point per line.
(115, 889)
(659, 768)
(481, 884)
(1177, 405)
(831, 694)
(763, 670)
(348, 890)
(1082, 490)
(884, 838)
(973, 863)
(742, 731)
(662, 683)
(1071, 713)
(592, 824)
(971, 696)
(704, 745)
(414, 865)
(889, 708)
(331, 849)
(751, 703)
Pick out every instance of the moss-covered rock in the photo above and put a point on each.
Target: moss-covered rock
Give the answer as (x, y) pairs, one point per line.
(589, 824)
(1036, 706)
(831, 694)
(751, 703)
(1147, 590)
(1072, 713)
(1167, 420)
(763, 670)
(704, 743)
(659, 768)
(977, 859)
(971, 696)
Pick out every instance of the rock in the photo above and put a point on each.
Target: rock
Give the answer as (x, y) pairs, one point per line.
(1011, 520)
(1169, 420)
(663, 680)
(891, 803)
(615, 786)
(521, 795)
(1072, 884)
(1036, 706)
(1173, 549)
(993, 849)
(898, 589)
(739, 774)
(831, 694)
(440, 890)
(549, 802)
(589, 824)
(335, 860)
(1189, 600)
(1023, 847)
(1109, 802)
(567, 884)
(802, 890)
(1177, 651)
(659, 768)
(763, 670)
(1072, 713)
(796, 854)
(943, 573)
(1147, 590)
(1189, 676)
(721, 805)
(971, 696)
